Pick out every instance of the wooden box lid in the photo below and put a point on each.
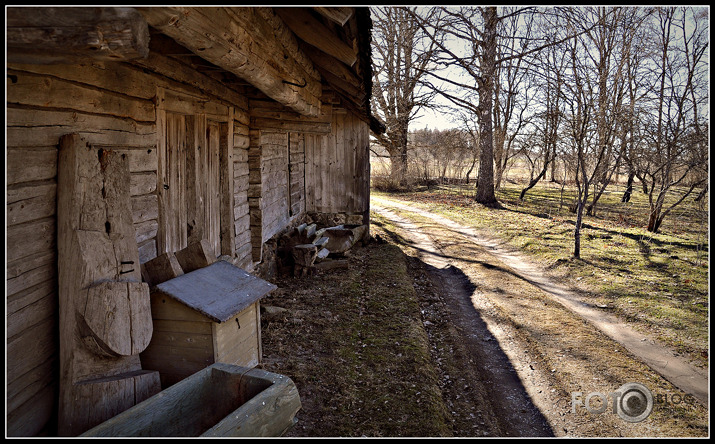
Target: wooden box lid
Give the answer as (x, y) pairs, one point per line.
(219, 291)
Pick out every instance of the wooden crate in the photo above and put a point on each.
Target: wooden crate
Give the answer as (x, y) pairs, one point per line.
(206, 316)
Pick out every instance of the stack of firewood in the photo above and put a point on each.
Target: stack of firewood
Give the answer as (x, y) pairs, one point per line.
(307, 249)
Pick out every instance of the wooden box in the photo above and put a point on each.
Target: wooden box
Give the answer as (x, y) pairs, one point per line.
(206, 316)
(219, 401)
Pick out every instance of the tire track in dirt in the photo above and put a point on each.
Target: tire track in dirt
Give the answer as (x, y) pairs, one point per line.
(512, 404)
(664, 361)
(548, 391)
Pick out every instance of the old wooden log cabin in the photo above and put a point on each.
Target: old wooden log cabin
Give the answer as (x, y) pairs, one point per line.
(235, 124)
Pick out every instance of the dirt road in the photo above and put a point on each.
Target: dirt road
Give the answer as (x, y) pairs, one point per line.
(539, 344)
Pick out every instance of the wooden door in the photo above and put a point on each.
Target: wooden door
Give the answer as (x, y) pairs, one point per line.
(190, 194)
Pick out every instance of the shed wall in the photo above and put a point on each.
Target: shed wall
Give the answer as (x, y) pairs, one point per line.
(276, 170)
(114, 106)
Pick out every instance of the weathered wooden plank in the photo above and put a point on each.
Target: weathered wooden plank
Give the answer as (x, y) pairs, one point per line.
(295, 126)
(50, 135)
(146, 230)
(212, 194)
(32, 383)
(315, 33)
(196, 255)
(29, 349)
(226, 177)
(65, 35)
(147, 251)
(30, 238)
(30, 270)
(144, 208)
(189, 327)
(161, 269)
(171, 175)
(242, 209)
(165, 307)
(34, 313)
(339, 15)
(242, 224)
(142, 159)
(52, 92)
(142, 183)
(31, 417)
(29, 165)
(30, 293)
(42, 204)
(120, 78)
(202, 30)
(339, 176)
(75, 121)
(25, 191)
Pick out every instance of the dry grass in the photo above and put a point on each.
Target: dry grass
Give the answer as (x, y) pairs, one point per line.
(578, 358)
(659, 282)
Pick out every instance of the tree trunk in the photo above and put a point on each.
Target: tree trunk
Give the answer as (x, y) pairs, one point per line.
(485, 184)
(629, 188)
(398, 167)
(577, 230)
(655, 220)
(702, 194)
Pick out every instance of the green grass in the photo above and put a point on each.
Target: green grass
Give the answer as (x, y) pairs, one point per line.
(354, 344)
(657, 281)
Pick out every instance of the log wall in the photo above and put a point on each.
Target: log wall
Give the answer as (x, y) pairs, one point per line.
(113, 106)
(269, 167)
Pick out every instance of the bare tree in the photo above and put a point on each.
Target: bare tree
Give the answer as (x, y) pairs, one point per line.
(513, 89)
(478, 59)
(550, 68)
(677, 148)
(401, 57)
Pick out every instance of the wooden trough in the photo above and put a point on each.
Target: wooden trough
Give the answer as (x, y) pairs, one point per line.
(219, 401)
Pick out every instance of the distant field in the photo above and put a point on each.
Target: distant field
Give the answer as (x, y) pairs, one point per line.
(659, 282)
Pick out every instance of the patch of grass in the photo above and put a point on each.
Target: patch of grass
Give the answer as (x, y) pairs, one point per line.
(580, 357)
(657, 281)
(353, 342)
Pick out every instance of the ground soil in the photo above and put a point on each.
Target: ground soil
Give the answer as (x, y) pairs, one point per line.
(494, 354)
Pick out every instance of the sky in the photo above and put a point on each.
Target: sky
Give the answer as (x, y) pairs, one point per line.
(432, 120)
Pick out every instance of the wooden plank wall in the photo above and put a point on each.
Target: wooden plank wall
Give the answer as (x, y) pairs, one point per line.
(240, 189)
(337, 167)
(113, 106)
(296, 167)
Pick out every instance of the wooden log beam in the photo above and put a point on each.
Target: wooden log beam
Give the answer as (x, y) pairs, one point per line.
(66, 35)
(340, 75)
(311, 31)
(241, 42)
(336, 15)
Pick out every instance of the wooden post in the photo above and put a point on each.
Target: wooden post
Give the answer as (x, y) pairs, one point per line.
(105, 316)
